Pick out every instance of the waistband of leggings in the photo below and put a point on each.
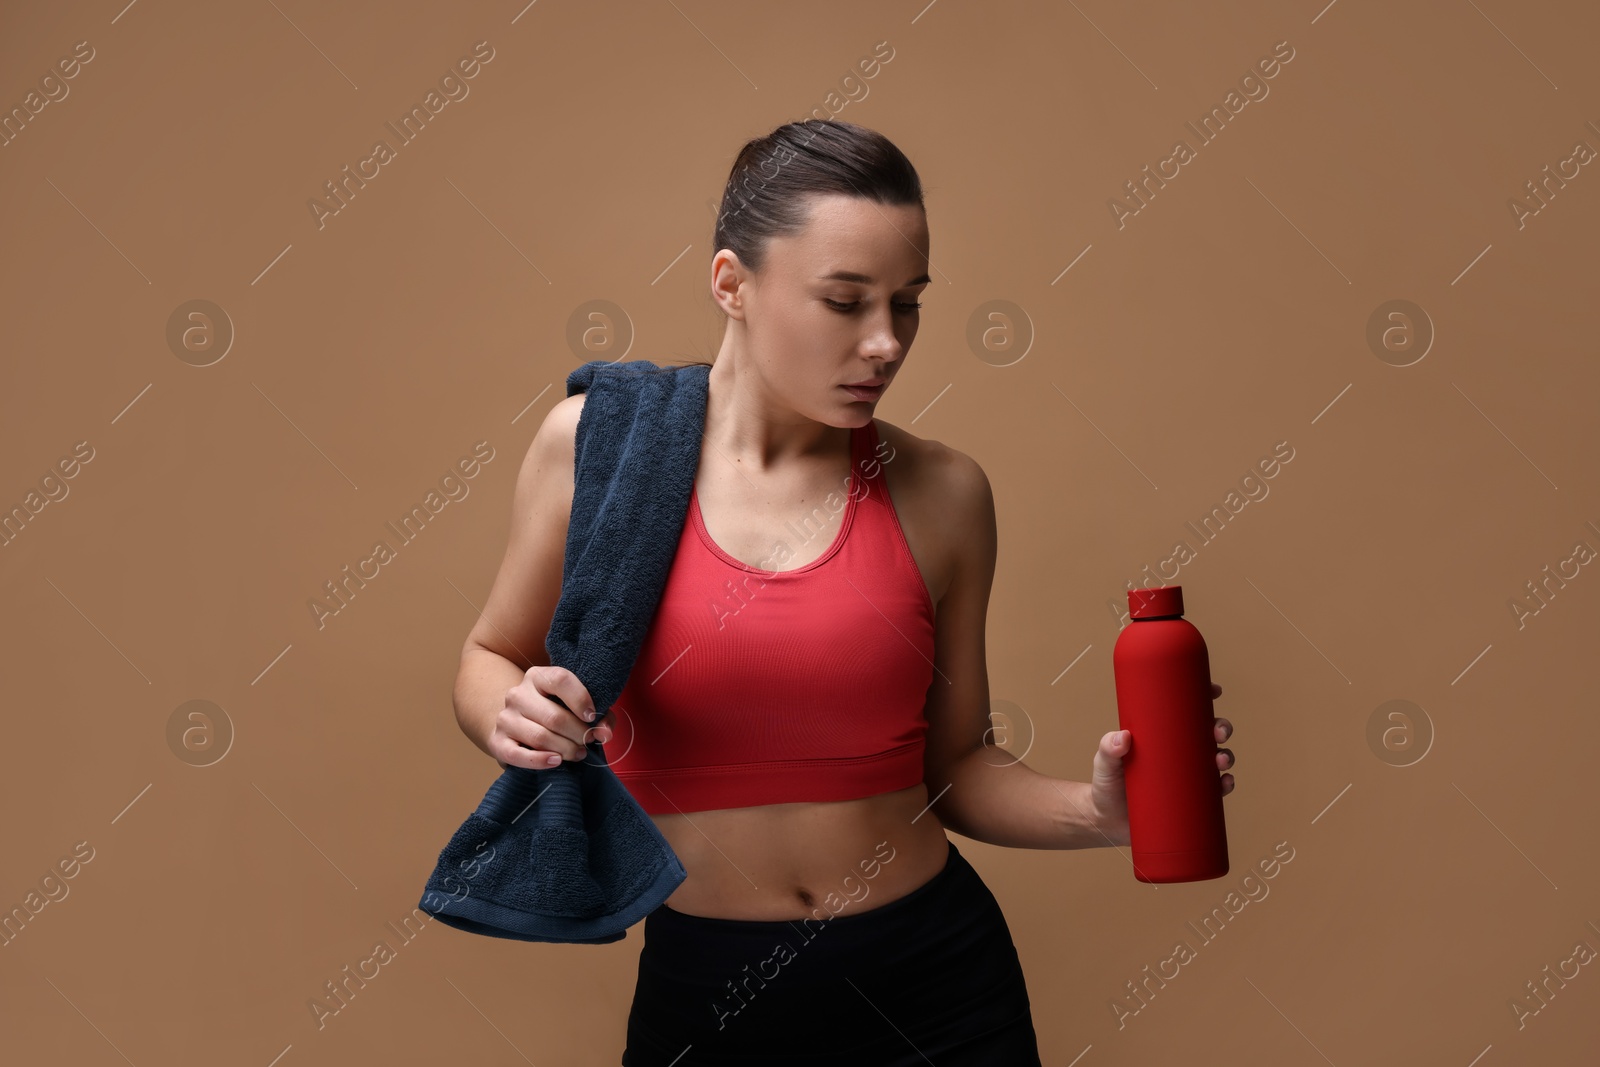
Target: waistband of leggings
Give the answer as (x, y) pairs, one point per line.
(955, 869)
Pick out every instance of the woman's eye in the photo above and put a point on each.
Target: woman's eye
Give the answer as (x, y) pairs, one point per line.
(838, 306)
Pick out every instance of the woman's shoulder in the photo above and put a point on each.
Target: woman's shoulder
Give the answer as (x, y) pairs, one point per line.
(944, 502)
(929, 466)
(557, 436)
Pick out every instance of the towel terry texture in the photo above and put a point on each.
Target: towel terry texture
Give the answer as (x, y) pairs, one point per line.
(566, 854)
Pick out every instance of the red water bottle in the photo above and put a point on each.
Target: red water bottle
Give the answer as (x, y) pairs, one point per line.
(1163, 676)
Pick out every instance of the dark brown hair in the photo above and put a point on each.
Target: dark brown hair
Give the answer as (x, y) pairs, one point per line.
(772, 177)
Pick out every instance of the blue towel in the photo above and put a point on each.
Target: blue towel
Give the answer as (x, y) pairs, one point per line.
(566, 854)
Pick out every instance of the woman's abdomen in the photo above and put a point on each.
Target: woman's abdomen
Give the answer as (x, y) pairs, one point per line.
(790, 861)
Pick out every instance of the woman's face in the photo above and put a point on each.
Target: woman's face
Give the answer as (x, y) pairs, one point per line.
(835, 304)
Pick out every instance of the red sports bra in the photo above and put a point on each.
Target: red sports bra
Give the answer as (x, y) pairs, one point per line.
(756, 686)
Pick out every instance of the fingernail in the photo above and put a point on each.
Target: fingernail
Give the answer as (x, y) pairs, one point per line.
(553, 760)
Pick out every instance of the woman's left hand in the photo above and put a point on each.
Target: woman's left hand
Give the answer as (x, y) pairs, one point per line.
(1107, 791)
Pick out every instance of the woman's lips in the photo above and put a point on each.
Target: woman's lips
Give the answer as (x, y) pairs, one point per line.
(864, 394)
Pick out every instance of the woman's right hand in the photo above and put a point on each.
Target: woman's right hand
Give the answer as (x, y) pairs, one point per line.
(535, 732)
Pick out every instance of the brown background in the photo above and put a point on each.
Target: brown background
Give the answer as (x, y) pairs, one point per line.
(1116, 401)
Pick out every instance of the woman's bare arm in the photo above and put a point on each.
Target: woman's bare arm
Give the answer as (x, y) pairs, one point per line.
(508, 638)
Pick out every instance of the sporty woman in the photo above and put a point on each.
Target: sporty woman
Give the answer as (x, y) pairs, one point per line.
(809, 713)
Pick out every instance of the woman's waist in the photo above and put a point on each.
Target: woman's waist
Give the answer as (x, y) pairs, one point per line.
(792, 861)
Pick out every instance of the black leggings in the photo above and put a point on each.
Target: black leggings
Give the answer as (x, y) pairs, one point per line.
(929, 976)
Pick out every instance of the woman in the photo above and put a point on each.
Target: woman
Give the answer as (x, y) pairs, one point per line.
(809, 713)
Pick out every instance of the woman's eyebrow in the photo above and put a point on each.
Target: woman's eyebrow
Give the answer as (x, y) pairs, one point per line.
(852, 276)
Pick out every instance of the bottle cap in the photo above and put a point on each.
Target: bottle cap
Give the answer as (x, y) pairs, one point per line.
(1153, 603)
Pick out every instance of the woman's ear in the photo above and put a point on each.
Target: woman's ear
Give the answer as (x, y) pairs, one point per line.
(728, 276)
